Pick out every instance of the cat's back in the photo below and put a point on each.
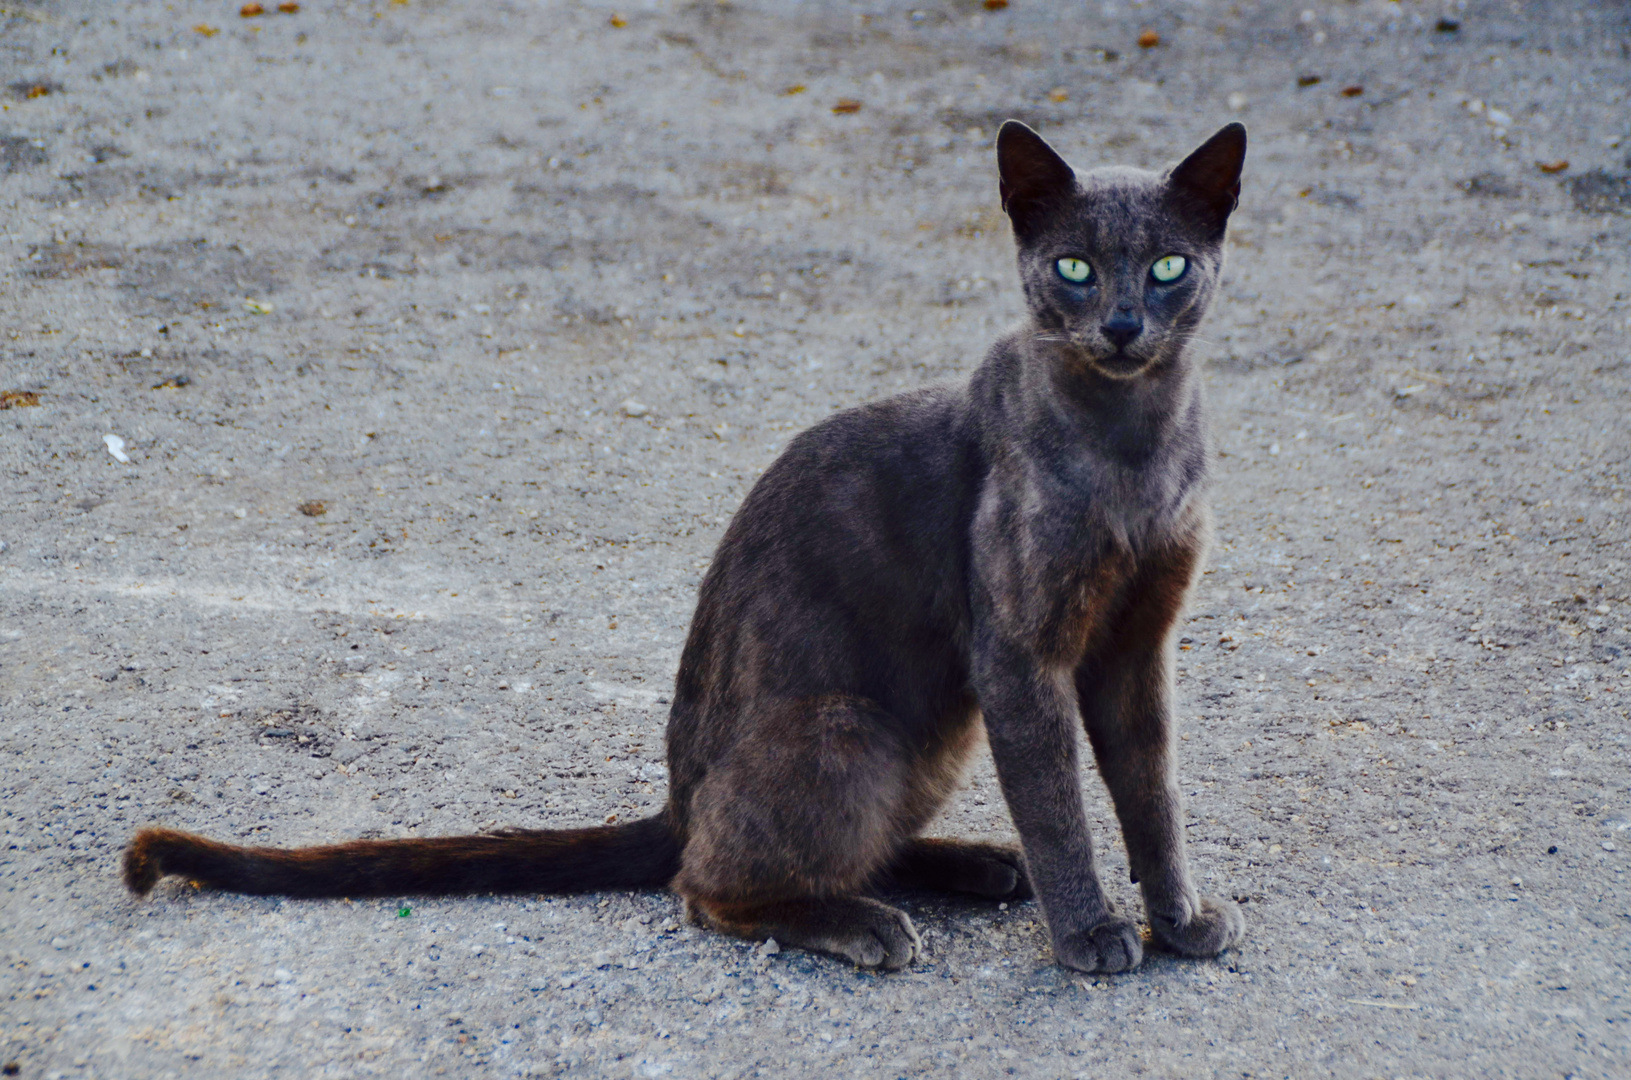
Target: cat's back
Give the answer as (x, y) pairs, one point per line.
(854, 541)
(892, 472)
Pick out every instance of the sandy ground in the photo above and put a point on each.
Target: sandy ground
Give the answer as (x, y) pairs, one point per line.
(526, 295)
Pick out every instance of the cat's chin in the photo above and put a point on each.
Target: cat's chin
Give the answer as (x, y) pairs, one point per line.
(1119, 365)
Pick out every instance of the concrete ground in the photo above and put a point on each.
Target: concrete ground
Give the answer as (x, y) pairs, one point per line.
(443, 338)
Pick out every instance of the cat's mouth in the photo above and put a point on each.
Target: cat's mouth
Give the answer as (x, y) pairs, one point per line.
(1107, 361)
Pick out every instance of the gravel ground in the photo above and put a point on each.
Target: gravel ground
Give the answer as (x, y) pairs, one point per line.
(444, 337)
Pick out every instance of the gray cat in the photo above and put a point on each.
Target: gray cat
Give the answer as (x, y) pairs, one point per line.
(1016, 550)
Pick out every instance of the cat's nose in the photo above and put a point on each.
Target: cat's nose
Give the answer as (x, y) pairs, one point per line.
(1122, 328)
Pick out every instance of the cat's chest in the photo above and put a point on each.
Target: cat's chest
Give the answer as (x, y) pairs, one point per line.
(1064, 514)
(1081, 512)
(1057, 568)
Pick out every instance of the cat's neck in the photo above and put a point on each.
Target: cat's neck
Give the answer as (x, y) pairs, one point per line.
(1125, 420)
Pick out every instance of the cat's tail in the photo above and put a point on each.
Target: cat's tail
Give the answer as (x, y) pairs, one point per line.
(639, 854)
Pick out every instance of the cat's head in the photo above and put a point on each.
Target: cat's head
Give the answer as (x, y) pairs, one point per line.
(1119, 264)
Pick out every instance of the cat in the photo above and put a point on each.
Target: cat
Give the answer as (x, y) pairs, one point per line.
(1011, 554)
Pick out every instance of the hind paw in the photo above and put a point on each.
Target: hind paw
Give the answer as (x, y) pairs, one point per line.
(993, 871)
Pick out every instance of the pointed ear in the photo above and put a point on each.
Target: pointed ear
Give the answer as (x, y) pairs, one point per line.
(1207, 182)
(1030, 176)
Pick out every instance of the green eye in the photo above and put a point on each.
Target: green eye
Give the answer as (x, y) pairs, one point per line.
(1169, 268)
(1074, 270)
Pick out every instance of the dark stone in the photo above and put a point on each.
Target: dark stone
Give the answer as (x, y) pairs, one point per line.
(1601, 192)
(18, 152)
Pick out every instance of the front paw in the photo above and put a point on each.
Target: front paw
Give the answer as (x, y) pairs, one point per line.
(1112, 945)
(1216, 926)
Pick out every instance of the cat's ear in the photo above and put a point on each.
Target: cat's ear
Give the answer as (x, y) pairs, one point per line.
(1030, 176)
(1207, 182)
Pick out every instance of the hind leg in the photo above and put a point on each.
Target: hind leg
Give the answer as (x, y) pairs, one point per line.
(867, 933)
(788, 832)
(993, 871)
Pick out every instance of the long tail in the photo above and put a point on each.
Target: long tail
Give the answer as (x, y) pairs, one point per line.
(640, 854)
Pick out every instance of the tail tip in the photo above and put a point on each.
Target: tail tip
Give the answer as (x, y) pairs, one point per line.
(144, 859)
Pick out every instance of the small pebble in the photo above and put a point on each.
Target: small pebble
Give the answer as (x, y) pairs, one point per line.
(632, 407)
(62, 943)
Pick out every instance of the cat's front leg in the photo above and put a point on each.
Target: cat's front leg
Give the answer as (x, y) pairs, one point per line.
(1030, 718)
(1125, 701)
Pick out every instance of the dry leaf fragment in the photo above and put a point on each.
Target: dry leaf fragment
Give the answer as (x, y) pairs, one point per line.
(1352, 91)
(846, 106)
(1308, 80)
(1550, 167)
(18, 399)
(38, 90)
(289, 7)
(796, 88)
(617, 22)
(315, 508)
(995, 5)
(206, 29)
(1058, 95)
(1149, 39)
(250, 10)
